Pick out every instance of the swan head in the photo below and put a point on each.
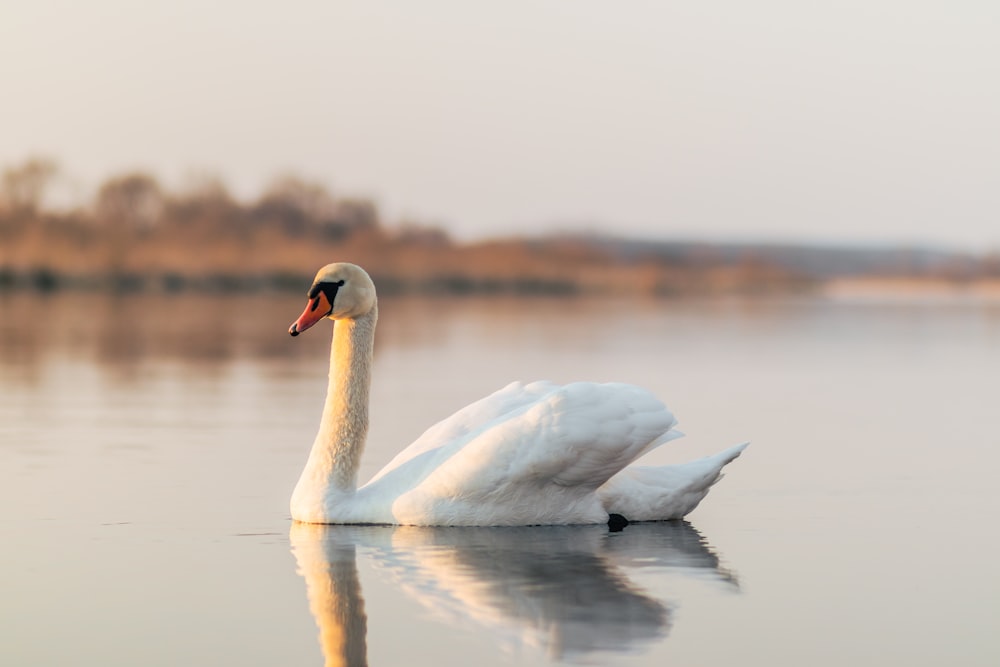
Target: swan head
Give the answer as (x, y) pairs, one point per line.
(341, 291)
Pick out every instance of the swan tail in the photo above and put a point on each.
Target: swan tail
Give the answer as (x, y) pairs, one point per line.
(660, 493)
(727, 456)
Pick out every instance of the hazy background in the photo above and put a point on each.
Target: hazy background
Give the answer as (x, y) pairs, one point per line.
(849, 121)
(811, 192)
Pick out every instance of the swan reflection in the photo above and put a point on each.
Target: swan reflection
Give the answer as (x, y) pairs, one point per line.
(563, 589)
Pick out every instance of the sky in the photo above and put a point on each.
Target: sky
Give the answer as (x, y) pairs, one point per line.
(874, 121)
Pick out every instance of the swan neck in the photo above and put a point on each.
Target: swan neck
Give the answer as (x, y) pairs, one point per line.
(344, 426)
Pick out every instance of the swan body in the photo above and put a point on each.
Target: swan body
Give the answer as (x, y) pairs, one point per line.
(528, 454)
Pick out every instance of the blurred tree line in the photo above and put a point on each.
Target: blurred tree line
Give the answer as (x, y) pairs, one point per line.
(134, 234)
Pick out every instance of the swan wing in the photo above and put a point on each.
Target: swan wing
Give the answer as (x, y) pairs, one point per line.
(528, 454)
(438, 441)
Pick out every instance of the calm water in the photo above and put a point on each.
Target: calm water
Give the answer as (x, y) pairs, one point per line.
(148, 446)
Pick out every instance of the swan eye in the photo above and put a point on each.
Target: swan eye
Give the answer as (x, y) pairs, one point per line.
(327, 289)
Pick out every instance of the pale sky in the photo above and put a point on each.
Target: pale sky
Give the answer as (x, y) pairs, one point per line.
(848, 121)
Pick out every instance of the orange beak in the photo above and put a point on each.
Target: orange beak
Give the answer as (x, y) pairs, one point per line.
(317, 308)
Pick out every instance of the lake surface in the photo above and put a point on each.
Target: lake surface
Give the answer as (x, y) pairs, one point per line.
(149, 444)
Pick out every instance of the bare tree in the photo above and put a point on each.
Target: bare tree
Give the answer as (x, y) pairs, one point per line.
(295, 204)
(22, 188)
(133, 201)
(352, 215)
(205, 205)
(127, 206)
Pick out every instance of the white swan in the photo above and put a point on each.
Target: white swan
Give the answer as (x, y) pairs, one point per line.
(530, 454)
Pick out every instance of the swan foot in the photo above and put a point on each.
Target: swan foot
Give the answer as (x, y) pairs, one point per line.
(616, 523)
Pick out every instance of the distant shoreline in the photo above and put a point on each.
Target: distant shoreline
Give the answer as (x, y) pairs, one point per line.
(136, 236)
(864, 288)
